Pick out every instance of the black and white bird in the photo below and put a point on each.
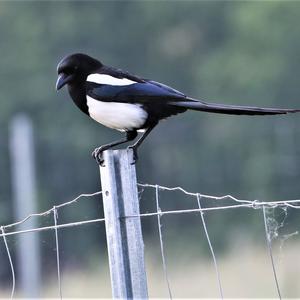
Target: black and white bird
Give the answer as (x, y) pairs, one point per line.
(128, 103)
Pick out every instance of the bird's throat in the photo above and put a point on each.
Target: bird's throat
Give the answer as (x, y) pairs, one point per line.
(78, 95)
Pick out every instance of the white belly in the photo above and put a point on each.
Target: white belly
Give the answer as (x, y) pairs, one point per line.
(120, 116)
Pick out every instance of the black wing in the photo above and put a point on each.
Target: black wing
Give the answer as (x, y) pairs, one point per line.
(139, 92)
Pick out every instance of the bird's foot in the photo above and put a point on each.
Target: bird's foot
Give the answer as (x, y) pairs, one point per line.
(98, 156)
(135, 154)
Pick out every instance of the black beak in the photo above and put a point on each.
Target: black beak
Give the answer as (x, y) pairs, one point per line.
(62, 80)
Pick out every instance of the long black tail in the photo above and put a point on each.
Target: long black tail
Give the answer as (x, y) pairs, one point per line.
(230, 109)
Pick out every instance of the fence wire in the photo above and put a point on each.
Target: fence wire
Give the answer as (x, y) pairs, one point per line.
(210, 248)
(54, 227)
(7, 230)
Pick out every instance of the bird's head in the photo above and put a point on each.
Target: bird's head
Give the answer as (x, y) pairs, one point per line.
(75, 68)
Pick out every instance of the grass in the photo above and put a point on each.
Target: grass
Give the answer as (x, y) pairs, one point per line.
(245, 273)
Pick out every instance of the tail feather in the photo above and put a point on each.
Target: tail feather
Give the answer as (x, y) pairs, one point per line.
(231, 109)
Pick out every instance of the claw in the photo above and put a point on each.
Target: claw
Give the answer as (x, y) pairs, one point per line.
(135, 154)
(98, 156)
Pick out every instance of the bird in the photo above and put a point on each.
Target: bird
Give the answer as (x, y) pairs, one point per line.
(132, 104)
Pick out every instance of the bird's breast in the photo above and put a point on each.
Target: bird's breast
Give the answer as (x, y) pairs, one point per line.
(116, 115)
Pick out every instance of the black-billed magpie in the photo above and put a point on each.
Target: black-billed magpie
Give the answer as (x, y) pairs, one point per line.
(129, 103)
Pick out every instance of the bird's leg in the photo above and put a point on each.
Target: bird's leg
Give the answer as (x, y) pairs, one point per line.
(97, 153)
(139, 142)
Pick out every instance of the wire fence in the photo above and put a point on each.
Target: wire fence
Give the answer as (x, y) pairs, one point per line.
(234, 203)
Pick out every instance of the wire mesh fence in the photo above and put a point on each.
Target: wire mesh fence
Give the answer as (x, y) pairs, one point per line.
(226, 202)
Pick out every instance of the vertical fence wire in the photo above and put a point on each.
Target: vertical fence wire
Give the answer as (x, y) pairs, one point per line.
(55, 216)
(210, 247)
(268, 239)
(161, 242)
(11, 264)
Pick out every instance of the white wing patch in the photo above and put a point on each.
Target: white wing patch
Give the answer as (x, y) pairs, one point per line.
(110, 80)
(116, 115)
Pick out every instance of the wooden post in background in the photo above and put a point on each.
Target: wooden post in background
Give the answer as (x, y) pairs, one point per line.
(124, 235)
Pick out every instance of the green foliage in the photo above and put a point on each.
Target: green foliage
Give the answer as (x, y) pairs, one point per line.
(232, 52)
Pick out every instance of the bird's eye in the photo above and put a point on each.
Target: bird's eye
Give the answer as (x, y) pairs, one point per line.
(69, 70)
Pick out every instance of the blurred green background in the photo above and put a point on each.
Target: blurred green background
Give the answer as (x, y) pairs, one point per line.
(233, 52)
